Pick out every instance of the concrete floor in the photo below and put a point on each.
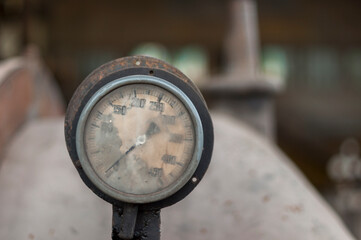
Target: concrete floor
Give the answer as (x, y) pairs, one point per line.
(251, 191)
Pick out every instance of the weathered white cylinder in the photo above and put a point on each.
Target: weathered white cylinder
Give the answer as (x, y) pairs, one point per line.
(251, 191)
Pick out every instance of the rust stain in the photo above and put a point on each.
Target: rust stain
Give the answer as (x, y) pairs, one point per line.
(31, 236)
(203, 230)
(228, 203)
(295, 208)
(266, 198)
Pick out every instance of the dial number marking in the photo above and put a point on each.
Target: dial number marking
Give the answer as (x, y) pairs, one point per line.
(168, 119)
(176, 138)
(139, 103)
(169, 159)
(156, 106)
(156, 172)
(120, 109)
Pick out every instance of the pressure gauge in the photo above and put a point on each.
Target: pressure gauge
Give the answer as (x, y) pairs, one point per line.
(138, 131)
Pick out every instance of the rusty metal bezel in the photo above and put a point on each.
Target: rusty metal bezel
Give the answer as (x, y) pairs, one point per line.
(138, 65)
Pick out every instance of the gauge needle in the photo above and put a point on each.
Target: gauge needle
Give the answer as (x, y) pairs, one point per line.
(123, 156)
(152, 129)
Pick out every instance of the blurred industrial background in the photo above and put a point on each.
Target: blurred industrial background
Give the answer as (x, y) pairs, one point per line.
(290, 69)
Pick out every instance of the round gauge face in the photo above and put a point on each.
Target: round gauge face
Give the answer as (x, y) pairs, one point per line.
(139, 140)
